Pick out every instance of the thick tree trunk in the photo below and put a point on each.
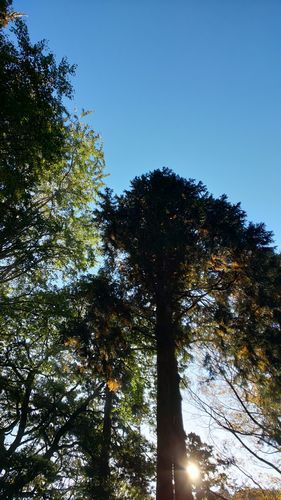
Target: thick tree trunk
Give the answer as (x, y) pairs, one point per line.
(103, 491)
(165, 488)
(182, 486)
(172, 480)
(106, 432)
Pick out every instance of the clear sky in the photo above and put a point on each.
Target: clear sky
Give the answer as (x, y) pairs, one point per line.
(194, 85)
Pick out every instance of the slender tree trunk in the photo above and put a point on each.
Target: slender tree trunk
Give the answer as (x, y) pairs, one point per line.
(172, 480)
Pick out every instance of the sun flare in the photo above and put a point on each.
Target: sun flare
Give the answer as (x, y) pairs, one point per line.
(193, 471)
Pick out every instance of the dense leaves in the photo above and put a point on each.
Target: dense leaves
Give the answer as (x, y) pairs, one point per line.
(190, 261)
(87, 361)
(50, 164)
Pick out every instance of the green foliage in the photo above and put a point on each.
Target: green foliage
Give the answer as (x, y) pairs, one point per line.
(181, 267)
(50, 164)
(103, 336)
(50, 174)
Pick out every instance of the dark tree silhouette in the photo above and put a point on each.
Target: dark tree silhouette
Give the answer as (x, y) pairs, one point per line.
(183, 254)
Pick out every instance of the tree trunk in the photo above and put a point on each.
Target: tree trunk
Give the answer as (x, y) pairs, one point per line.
(182, 486)
(172, 480)
(103, 491)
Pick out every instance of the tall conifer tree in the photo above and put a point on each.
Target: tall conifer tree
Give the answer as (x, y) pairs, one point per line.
(184, 254)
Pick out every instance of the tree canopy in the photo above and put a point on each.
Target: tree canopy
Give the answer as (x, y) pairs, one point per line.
(50, 164)
(94, 358)
(188, 259)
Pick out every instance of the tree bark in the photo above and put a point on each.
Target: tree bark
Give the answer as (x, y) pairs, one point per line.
(164, 489)
(172, 480)
(100, 480)
(104, 470)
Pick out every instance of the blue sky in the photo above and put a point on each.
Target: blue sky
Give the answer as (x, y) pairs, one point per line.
(193, 85)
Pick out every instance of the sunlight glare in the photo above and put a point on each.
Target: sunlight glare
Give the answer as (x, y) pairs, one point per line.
(193, 471)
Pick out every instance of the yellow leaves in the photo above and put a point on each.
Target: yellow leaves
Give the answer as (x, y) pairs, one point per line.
(262, 362)
(262, 365)
(235, 265)
(7, 17)
(72, 342)
(243, 353)
(223, 263)
(217, 263)
(113, 384)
